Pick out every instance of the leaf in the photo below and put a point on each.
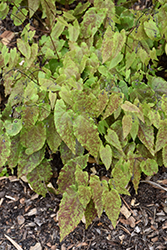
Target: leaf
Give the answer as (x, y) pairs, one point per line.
(57, 29)
(70, 212)
(112, 44)
(106, 155)
(15, 151)
(136, 174)
(87, 134)
(29, 115)
(135, 127)
(84, 194)
(146, 136)
(126, 125)
(80, 176)
(33, 139)
(128, 106)
(97, 191)
(53, 138)
(121, 176)
(113, 140)
(50, 10)
(164, 155)
(33, 56)
(149, 167)
(26, 163)
(39, 176)
(101, 102)
(64, 124)
(13, 128)
(152, 30)
(90, 213)
(4, 148)
(33, 6)
(24, 48)
(161, 138)
(112, 205)
(115, 102)
(74, 31)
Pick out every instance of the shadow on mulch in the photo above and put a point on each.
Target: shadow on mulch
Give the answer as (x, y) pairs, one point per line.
(31, 220)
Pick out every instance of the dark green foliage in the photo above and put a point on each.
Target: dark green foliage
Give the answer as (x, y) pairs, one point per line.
(97, 92)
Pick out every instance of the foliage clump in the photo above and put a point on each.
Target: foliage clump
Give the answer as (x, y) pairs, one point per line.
(95, 92)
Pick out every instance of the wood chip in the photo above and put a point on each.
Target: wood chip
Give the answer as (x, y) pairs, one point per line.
(36, 247)
(6, 37)
(20, 219)
(125, 211)
(32, 212)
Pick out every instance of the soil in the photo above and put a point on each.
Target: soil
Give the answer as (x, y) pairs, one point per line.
(29, 221)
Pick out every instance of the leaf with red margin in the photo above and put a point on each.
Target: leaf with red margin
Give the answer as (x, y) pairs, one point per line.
(70, 212)
(112, 205)
(149, 167)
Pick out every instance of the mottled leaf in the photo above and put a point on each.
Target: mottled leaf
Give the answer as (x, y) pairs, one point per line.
(135, 127)
(151, 29)
(128, 106)
(84, 194)
(112, 204)
(39, 176)
(4, 148)
(164, 155)
(64, 124)
(70, 212)
(149, 167)
(136, 174)
(126, 124)
(113, 140)
(15, 151)
(161, 138)
(74, 31)
(90, 213)
(115, 102)
(87, 134)
(27, 163)
(33, 6)
(106, 155)
(97, 191)
(13, 128)
(33, 139)
(146, 136)
(24, 48)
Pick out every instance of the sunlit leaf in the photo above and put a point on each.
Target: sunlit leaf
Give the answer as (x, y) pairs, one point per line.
(114, 103)
(149, 167)
(126, 124)
(113, 140)
(106, 155)
(146, 136)
(24, 48)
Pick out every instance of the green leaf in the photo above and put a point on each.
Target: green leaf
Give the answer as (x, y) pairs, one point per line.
(70, 212)
(97, 191)
(39, 177)
(115, 102)
(84, 194)
(128, 106)
(15, 151)
(29, 115)
(126, 125)
(135, 127)
(26, 163)
(136, 174)
(146, 136)
(113, 140)
(33, 139)
(152, 30)
(64, 124)
(149, 167)
(106, 155)
(112, 205)
(87, 134)
(90, 213)
(13, 128)
(33, 6)
(24, 48)
(161, 138)
(50, 10)
(74, 31)
(33, 55)
(4, 148)
(164, 155)
(80, 176)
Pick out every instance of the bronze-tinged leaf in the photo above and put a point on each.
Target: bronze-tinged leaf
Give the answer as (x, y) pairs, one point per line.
(164, 155)
(15, 151)
(106, 155)
(146, 136)
(27, 163)
(149, 167)
(136, 174)
(39, 177)
(112, 204)
(53, 138)
(24, 48)
(67, 176)
(80, 176)
(29, 115)
(128, 106)
(135, 127)
(97, 190)
(90, 213)
(33, 6)
(113, 140)
(126, 125)
(33, 139)
(4, 148)
(161, 138)
(101, 102)
(70, 212)
(64, 124)
(87, 134)
(115, 102)
(84, 194)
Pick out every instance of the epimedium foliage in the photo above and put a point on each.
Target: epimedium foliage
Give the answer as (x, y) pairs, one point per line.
(96, 94)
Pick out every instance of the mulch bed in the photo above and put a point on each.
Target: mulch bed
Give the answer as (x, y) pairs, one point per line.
(31, 220)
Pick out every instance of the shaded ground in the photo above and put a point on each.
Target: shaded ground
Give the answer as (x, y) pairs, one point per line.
(31, 220)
